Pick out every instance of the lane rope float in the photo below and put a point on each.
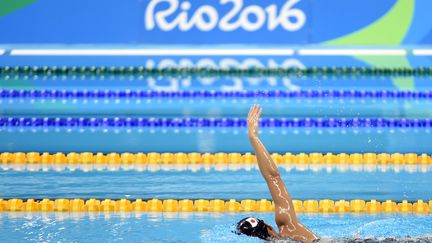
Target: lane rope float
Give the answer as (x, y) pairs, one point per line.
(206, 94)
(214, 122)
(214, 205)
(53, 71)
(208, 158)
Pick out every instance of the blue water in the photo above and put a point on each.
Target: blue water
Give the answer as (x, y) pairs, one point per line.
(196, 227)
(219, 107)
(215, 139)
(222, 182)
(242, 184)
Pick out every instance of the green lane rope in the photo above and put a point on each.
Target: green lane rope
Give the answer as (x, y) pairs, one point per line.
(11, 71)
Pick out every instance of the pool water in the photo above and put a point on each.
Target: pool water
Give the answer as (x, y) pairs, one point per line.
(388, 182)
(303, 184)
(335, 112)
(195, 227)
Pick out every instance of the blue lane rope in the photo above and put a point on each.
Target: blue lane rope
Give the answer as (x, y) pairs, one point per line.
(209, 122)
(214, 94)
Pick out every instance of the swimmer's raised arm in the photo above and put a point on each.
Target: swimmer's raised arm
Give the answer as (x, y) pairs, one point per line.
(285, 216)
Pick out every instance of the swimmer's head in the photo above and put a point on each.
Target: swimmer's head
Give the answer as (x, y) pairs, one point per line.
(254, 227)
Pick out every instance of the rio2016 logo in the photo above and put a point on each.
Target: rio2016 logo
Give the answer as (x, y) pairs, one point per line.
(207, 18)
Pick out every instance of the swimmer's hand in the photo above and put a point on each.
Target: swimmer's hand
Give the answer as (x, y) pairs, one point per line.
(253, 120)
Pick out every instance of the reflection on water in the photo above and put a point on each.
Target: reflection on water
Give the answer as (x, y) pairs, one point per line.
(328, 168)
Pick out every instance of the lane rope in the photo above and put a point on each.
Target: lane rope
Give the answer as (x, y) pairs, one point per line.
(214, 205)
(53, 71)
(213, 122)
(205, 94)
(208, 158)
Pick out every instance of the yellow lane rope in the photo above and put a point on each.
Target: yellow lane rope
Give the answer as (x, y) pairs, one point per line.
(215, 205)
(327, 168)
(217, 158)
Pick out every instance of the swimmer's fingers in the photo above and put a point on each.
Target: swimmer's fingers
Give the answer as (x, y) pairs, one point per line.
(253, 120)
(252, 111)
(256, 109)
(259, 112)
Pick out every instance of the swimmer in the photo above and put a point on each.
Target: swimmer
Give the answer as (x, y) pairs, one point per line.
(285, 216)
